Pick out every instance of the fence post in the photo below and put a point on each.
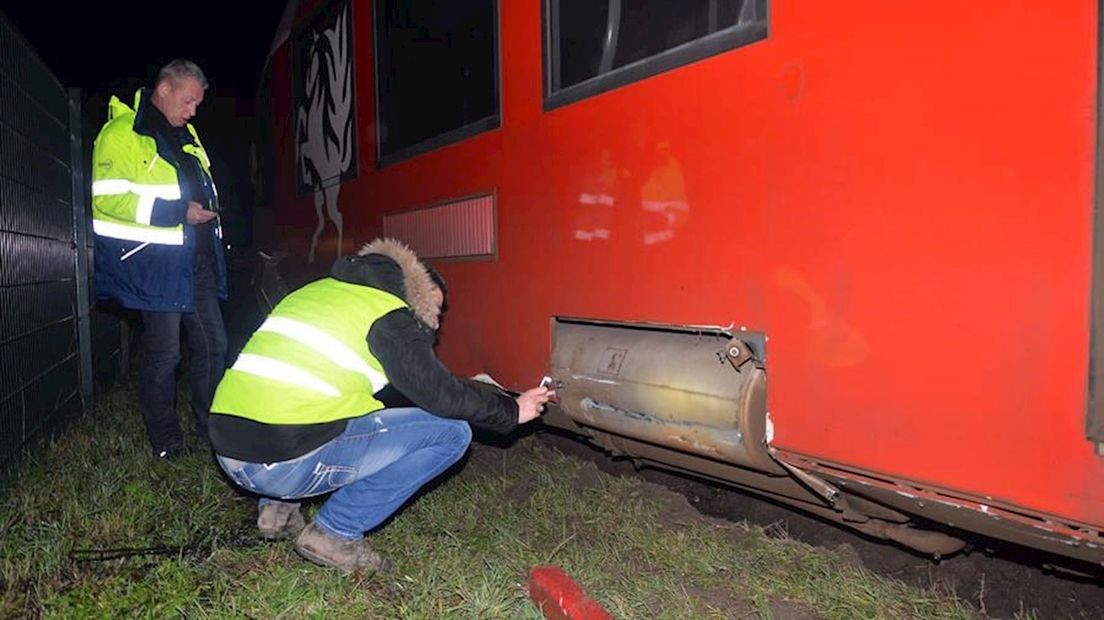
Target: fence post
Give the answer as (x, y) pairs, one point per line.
(80, 250)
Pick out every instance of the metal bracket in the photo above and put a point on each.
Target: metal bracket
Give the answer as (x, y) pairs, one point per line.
(739, 352)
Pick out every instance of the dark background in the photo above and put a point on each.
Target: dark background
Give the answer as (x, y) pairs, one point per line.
(113, 48)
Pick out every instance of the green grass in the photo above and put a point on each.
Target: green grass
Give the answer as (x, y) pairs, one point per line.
(462, 550)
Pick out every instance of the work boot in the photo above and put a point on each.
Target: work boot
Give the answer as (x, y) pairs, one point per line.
(279, 520)
(316, 545)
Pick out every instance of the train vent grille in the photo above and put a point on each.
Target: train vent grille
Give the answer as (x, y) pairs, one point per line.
(458, 229)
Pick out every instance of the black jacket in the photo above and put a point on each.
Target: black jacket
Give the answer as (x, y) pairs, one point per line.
(403, 342)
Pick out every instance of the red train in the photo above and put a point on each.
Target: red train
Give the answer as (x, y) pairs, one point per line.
(841, 258)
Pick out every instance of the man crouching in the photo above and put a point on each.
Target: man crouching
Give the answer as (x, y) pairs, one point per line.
(297, 415)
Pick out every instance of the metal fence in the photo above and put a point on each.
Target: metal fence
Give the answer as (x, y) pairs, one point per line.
(50, 340)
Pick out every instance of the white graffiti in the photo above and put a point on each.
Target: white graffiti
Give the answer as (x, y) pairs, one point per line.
(324, 123)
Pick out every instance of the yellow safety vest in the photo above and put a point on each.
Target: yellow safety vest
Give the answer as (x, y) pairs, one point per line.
(309, 362)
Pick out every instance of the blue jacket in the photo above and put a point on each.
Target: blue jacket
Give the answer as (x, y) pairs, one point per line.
(143, 245)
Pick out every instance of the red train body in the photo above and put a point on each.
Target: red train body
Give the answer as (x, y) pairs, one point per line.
(896, 199)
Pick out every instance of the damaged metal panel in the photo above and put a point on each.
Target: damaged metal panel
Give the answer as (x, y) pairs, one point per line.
(696, 390)
(693, 399)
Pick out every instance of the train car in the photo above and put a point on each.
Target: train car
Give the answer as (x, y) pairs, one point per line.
(844, 256)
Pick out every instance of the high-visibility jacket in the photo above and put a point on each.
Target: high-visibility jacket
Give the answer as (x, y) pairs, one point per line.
(143, 247)
(309, 362)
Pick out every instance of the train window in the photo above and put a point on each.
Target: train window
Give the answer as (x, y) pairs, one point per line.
(436, 73)
(592, 46)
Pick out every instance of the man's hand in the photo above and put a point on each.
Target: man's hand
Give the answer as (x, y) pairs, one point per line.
(531, 403)
(197, 214)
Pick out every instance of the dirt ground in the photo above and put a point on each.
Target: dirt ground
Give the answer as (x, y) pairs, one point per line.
(1004, 584)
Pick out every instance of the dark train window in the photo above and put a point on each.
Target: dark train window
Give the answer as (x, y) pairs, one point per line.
(436, 73)
(592, 46)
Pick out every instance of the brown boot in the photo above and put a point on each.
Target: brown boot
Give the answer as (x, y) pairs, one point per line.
(279, 520)
(319, 547)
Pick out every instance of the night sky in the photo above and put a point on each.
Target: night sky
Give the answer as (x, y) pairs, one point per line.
(97, 45)
(112, 48)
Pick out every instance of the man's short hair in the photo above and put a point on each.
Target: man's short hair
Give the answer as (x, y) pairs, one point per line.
(179, 69)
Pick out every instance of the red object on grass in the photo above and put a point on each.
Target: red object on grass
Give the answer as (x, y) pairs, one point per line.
(560, 598)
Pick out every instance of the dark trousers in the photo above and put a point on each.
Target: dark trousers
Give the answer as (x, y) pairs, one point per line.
(206, 338)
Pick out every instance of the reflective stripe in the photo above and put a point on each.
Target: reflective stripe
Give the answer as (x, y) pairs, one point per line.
(113, 187)
(325, 344)
(141, 246)
(146, 194)
(145, 209)
(162, 236)
(110, 187)
(281, 371)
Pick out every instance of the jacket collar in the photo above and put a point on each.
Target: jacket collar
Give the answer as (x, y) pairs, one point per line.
(116, 107)
(149, 121)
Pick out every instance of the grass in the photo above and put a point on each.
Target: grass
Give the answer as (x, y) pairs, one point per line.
(94, 527)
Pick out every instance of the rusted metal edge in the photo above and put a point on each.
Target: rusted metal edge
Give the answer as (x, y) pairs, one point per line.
(997, 519)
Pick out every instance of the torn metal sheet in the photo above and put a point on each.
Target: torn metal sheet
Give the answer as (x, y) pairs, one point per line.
(696, 390)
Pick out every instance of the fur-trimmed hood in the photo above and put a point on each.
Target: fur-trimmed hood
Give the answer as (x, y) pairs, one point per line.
(390, 265)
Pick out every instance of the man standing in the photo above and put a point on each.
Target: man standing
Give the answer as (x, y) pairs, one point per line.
(158, 245)
(300, 413)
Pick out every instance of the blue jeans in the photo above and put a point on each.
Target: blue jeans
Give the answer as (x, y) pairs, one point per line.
(373, 468)
(206, 338)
